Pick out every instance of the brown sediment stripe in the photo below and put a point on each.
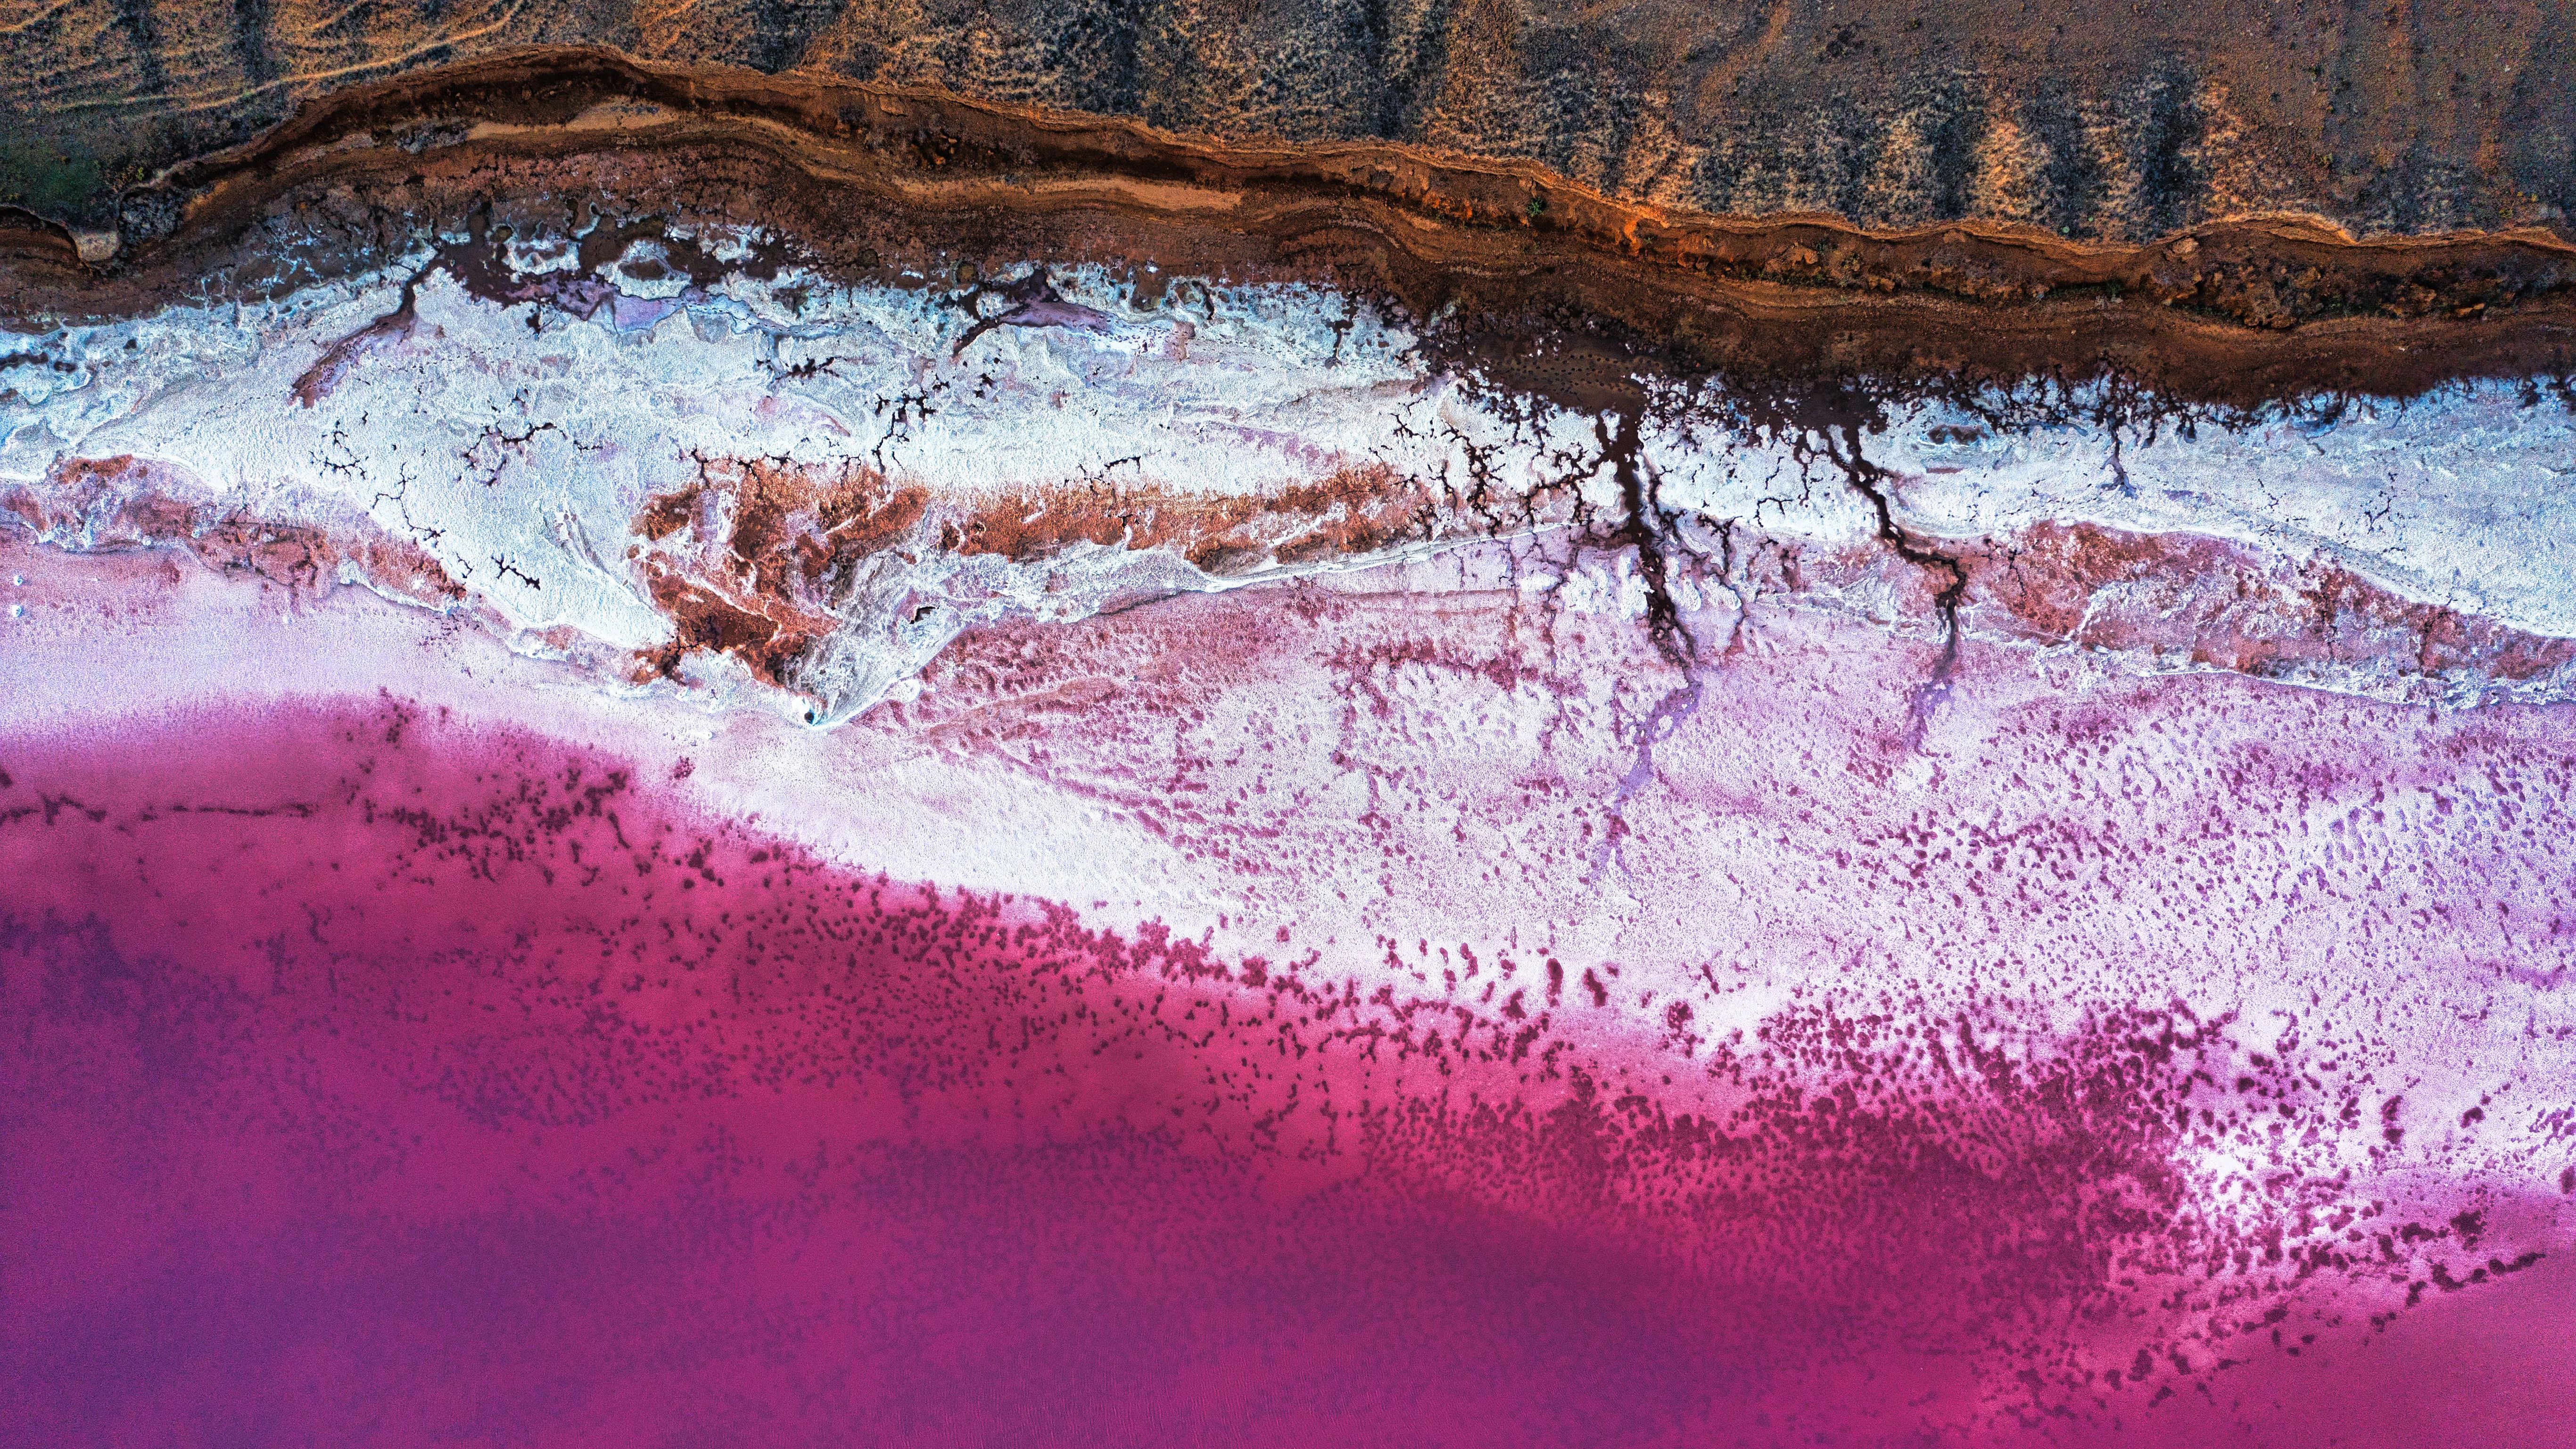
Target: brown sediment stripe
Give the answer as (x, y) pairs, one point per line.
(1561, 286)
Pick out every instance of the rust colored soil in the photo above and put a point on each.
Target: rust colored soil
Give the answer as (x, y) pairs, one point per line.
(1543, 284)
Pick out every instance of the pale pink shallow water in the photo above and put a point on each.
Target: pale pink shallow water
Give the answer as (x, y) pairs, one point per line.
(371, 1079)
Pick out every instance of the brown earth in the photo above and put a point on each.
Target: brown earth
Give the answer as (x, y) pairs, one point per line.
(2092, 118)
(754, 560)
(749, 559)
(128, 503)
(757, 557)
(1540, 282)
(2178, 598)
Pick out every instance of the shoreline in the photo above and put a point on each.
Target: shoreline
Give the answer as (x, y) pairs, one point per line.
(1555, 287)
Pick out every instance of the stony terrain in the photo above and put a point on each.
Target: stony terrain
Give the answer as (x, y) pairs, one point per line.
(2090, 118)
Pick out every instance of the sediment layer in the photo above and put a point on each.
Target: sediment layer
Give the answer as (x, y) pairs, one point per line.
(2099, 118)
(1562, 286)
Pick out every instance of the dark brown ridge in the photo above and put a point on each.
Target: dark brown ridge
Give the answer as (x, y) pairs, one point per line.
(1550, 285)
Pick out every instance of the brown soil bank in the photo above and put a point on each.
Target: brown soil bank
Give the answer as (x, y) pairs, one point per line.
(2107, 119)
(1552, 284)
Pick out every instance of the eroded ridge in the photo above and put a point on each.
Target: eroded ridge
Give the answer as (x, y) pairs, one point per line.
(2248, 308)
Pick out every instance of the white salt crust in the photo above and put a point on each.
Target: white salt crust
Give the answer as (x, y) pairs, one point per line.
(1459, 759)
(2368, 889)
(519, 455)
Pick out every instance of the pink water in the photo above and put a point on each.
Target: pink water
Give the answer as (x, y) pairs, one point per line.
(374, 1080)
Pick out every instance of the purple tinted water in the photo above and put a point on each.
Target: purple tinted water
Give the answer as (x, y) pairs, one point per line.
(374, 1080)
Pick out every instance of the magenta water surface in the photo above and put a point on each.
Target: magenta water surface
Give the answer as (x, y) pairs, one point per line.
(372, 1079)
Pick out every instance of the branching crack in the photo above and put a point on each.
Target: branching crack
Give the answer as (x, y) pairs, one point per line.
(1870, 481)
